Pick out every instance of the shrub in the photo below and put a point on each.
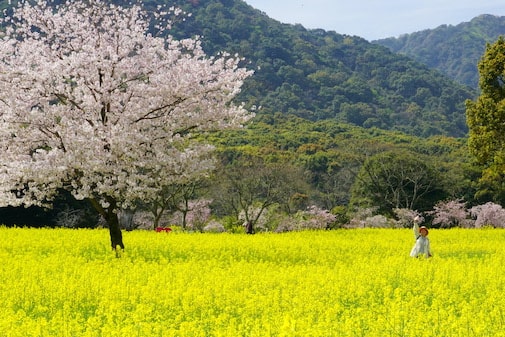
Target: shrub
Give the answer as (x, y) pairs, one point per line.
(214, 226)
(313, 218)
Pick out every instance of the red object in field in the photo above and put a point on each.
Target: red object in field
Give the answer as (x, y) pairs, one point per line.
(163, 229)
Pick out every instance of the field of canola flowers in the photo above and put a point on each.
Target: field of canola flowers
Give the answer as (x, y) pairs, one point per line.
(63, 282)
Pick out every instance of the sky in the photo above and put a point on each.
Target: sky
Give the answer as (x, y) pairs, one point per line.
(377, 19)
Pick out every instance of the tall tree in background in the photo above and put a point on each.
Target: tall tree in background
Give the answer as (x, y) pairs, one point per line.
(92, 102)
(252, 185)
(486, 121)
(395, 179)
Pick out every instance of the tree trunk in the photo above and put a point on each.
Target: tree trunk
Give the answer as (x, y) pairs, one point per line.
(111, 217)
(249, 229)
(116, 237)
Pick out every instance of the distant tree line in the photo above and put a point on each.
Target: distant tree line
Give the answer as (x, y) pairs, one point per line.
(285, 165)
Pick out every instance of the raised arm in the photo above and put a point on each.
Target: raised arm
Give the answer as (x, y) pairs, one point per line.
(416, 230)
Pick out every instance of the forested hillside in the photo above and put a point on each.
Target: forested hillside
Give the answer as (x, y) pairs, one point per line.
(453, 50)
(317, 74)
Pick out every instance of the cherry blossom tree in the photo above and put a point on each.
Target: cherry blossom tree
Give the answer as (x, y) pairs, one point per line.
(313, 217)
(192, 214)
(488, 214)
(451, 213)
(405, 216)
(94, 102)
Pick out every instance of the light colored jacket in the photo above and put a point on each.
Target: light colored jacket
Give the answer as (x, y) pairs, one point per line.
(422, 245)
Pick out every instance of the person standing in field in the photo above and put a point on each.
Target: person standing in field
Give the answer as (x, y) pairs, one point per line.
(422, 246)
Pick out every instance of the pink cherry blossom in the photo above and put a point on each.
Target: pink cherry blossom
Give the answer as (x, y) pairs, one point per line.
(93, 102)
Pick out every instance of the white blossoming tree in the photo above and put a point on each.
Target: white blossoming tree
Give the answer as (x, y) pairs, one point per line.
(91, 102)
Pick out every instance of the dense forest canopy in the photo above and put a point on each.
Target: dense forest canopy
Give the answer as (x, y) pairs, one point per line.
(453, 50)
(333, 153)
(315, 74)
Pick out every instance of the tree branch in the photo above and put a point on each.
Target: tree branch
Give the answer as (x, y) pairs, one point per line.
(158, 112)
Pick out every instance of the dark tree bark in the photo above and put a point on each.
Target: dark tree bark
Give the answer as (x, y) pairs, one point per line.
(116, 237)
(249, 229)
(111, 217)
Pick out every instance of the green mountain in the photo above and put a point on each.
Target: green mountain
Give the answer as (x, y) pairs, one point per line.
(453, 50)
(317, 75)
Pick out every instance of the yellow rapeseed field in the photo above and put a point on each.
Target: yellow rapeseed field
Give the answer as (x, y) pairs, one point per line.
(63, 282)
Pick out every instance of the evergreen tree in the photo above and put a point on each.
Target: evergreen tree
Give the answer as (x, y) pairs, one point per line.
(486, 121)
